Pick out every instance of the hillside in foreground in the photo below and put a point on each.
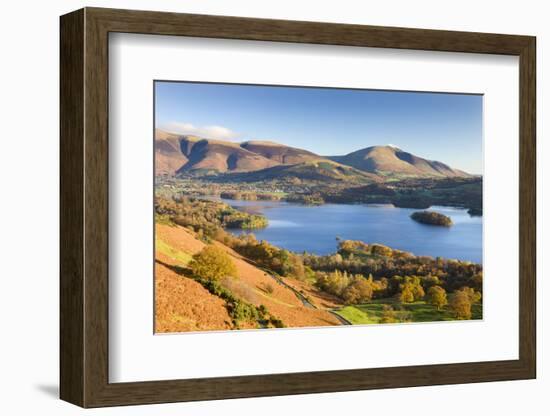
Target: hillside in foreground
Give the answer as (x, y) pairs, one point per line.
(184, 304)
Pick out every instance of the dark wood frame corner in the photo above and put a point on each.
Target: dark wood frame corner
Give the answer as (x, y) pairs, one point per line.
(84, 207)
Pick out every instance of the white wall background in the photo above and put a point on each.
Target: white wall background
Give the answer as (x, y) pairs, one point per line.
(29, 209)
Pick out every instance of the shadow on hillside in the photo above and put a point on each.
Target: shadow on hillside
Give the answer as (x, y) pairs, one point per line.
(182, 271)
(327, 300)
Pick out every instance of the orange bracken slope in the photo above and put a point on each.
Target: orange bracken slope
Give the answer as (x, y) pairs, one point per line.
(180, 306)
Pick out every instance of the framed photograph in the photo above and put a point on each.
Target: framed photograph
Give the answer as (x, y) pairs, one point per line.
(257, 207)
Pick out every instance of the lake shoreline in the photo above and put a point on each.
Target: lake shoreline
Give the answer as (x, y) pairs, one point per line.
(367, 204)
(292, 226)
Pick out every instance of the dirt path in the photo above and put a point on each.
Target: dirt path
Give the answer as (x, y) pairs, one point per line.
(300, 296)
(296, 292)
(340, 318)
(304, 300)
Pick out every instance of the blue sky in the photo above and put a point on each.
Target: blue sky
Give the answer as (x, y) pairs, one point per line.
(327, 121)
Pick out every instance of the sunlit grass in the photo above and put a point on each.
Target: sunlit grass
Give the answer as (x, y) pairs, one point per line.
(167, 250)
(371, 313)
(356, 316)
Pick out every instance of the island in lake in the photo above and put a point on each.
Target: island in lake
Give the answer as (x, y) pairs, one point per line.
(257, 234)
(432, 218)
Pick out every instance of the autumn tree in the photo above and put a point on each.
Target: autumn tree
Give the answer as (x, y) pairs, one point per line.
(388, 315)
(410, 290)
(359, 291)
(474, 296)
(212, 263)
(461, 304)
(405, 295)
(437, 297)
(381, 250)
(477, 281)
(429, 281)
(417, 289)
(291, 265)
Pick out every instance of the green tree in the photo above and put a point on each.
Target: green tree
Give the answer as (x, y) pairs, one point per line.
(437, 297)
(212, 263)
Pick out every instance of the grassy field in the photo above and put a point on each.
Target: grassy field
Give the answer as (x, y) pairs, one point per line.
(182, 258)
(371, 313)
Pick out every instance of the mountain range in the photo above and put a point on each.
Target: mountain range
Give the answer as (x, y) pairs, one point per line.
(264, 160)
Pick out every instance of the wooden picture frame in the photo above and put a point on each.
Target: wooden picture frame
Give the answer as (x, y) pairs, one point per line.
(84, 207)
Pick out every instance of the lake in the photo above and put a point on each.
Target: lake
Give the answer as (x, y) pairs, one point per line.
(298, 227)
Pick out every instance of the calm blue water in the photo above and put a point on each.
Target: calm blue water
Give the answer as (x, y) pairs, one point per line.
(314, 229)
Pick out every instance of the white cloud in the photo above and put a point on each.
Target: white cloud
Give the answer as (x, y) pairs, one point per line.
(207, 132)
